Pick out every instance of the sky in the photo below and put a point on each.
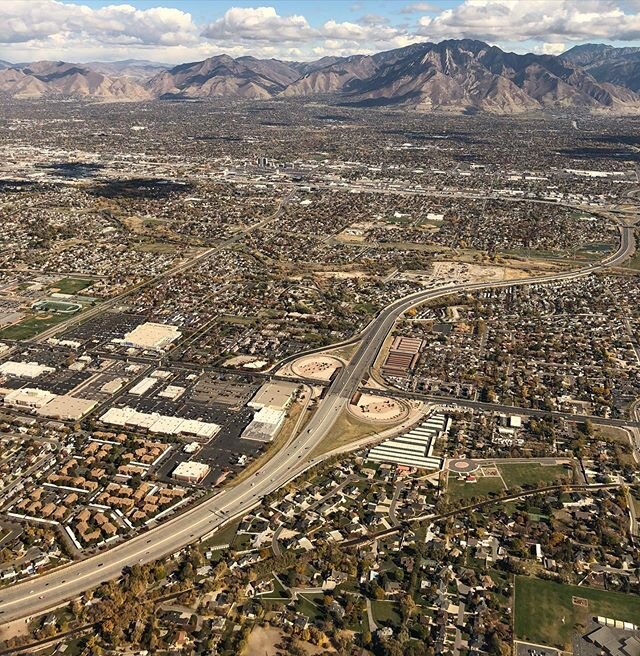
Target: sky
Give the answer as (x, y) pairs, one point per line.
(176, 31)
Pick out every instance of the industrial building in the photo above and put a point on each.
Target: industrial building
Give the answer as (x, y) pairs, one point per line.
(265, 424)
(143, 386)
(274, 395)
(65, 407)
(152, 336)
(414, 448)
(402, 357)
(28, 397)
(272, 401)
(24, 369)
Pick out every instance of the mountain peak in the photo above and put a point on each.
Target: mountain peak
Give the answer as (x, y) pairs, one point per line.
(454, 75)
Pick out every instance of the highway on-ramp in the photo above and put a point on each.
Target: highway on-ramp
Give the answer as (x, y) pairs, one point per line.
(30, 597)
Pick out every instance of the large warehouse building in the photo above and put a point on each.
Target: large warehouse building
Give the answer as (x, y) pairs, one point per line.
(272, 401)
(414, 448)
(152, 336)
(156, 423)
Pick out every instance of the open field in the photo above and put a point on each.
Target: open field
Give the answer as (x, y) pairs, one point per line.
(225, 535)
(155, 247)
(520, 475)
(346, 430)
(72, 285)
(633, 263)
(459, 490)
(386, 613)
(32, 326)
(619, 436)
(262, 641)
(545, 612)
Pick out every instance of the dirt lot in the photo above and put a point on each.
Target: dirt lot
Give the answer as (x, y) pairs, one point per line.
(460, 272)
(317, 367)
(263, 640)
(379, 409)
(13, 630)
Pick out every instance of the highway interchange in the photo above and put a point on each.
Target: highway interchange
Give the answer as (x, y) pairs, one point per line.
(31, 597)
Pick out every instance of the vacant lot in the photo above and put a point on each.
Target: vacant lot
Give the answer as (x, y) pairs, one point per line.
(346, 430)
(262, 641)
(545, 612)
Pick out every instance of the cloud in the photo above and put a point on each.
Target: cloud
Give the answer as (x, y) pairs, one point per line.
(419, 8)
(373, 19)
(371, 33)
(22, 22)
(547, 21)
(61, 29)
(553, 48)
(259, 24)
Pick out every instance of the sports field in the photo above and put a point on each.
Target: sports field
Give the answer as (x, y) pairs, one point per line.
(548, 613)
(32, 326)
(72, 285)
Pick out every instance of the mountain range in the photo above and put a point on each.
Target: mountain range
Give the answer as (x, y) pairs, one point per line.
(604, 63)
(454, 76)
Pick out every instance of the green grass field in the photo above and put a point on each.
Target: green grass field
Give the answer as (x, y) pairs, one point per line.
(311, 606)
(460, 491)
(57, 306)
(72, 285)
(545, 612)
(386, 612)
(31, 326)
(519, 475)
(225, 535)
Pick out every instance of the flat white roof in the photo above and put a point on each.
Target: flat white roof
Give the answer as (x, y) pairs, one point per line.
(191, 469)
(143, 386)
(276, 395)
(152, 335)
(67, 407)
(24, 369)
(30, 396)
(157, 423)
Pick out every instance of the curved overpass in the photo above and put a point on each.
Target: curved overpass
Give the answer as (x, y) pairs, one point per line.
(31, 597)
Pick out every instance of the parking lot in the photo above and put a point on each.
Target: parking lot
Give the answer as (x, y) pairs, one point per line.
(223, 451)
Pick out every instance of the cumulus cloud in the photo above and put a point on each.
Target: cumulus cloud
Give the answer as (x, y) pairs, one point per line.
(259, 24)
(372, 33)
(547, 21)
(22, 22)
(59, 28)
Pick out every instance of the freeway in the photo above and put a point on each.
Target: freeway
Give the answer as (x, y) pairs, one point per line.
(34, 596)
